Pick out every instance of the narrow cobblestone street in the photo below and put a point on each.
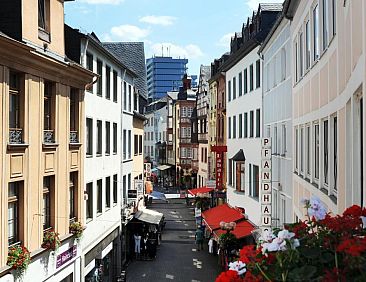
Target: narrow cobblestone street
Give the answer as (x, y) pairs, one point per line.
(177, 258)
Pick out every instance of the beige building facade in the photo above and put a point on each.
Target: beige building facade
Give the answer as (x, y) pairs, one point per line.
(328, 43)
(42, 114)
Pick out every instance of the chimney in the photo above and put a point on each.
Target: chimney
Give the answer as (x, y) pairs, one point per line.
(186, 82)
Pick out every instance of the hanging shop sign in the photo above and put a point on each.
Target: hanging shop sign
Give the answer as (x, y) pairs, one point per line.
(219, 151)
(139, 187)
(266, 184)
(147, 169)
(132, 194)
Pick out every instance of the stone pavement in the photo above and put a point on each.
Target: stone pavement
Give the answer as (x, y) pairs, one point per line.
(177, 258)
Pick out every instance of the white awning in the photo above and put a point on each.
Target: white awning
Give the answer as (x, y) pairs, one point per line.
(163, 167)
(149, 216)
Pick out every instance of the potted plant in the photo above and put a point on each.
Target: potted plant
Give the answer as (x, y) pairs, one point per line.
(76, 229)
(51, 240)
(18, 258)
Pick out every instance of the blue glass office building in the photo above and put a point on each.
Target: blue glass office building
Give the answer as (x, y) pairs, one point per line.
(164, 74)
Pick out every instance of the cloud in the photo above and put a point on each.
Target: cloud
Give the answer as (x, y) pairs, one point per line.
(253, 4)
(112, 2)
(225, 40)
(158, 20)
(127, 33)
(189, 51)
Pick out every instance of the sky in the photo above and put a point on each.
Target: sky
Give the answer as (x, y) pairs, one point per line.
(199, 30)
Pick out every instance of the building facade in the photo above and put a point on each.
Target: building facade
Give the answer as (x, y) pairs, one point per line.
(42, 125)
(328, 62)
(244, 112)
(277, 116)
(202, 105)
(103, 173)
(164, 74)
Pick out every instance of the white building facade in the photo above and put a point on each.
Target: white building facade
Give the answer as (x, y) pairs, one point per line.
(106, 152)
(277, 116)
(244, 115)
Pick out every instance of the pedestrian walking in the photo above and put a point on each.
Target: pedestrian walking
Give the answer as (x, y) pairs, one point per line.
(137, 238)
(199, 238)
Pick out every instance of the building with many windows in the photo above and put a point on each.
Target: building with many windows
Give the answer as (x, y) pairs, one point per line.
(203, 105)
(328, 82)
(277, 116)
(105, 151)
(164, 74)
(244, 111)
(183, 149)
(42, 128)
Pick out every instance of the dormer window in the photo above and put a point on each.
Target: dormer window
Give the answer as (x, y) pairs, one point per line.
(44, 20)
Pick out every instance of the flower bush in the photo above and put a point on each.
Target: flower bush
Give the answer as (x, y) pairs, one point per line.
(18, 258)
(324, 247)
(76, 229)
(51, 240)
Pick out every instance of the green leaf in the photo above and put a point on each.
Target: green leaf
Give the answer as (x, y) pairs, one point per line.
(326, 257)
(310, 253)
(304, 273)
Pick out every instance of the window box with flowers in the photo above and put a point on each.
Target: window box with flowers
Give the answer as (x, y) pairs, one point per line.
(18, 258)
(76, 229)
(51, 240)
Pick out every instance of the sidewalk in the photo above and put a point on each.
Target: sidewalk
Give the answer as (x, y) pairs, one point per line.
(177, 257)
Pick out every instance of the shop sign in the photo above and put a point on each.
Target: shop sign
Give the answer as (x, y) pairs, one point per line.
(197, 212)
(147, 169)
(139, 187)
(266, 184)
(66, 256)
(132, 194)
(211, 184)
(219, 151)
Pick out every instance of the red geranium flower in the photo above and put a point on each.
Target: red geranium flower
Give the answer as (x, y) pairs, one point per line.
(353, 246)
(229, 276)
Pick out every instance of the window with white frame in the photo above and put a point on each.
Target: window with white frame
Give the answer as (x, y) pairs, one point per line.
(234, 127)
(284, 140)
(302, 150)
(316, 151)
(301, 54)
(275, 140)
(335, 154)
(325, 23)
(307, 44)
(326, 151)
(316, 47)
(308, 150)
(296, 149)
(296, 61)
(283, 63)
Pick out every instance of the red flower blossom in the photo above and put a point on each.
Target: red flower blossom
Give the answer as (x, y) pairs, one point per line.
(333, 275)
(249, 277)
(229, 276)
(353, 246)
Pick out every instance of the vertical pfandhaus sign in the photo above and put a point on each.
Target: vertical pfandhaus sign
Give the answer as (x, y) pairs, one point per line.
(266, 184)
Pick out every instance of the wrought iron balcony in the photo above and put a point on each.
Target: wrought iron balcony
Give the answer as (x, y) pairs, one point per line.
(48, 136)
(15, 136)
(202, 137)
(74, 138)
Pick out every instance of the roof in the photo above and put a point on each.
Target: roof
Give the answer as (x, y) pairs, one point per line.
(243, 228)
(270, 7)
(271, 32)
(239, 156)
(132, 54)
(224, 212)
(149, 216)
(201, 190)
(93, 38)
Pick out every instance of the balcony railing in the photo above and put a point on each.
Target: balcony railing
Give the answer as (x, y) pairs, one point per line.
(74, 138)
(185, 120)
(48, 136)
(15, 136)
(202, 137)
(185, 140)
